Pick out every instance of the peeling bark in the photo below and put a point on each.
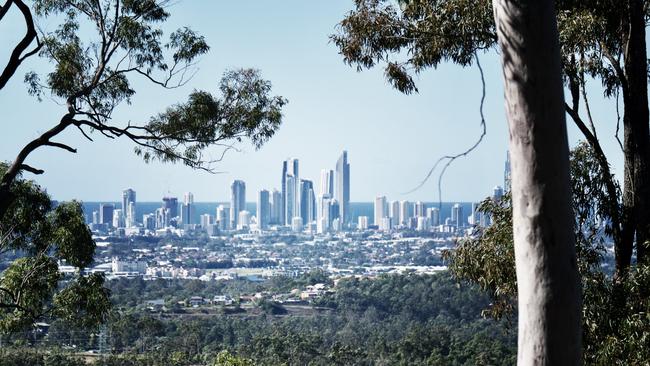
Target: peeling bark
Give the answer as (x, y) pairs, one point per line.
(549, 297)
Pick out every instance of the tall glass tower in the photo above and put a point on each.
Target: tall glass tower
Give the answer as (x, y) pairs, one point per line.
(237, 201)
(343, 189)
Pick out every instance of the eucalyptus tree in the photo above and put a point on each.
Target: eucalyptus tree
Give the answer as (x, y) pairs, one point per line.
(604, 40)
(91, 77)
(95, 51)
(526, 33)
(37, 236)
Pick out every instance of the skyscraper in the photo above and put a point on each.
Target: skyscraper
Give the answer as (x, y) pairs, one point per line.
(307, 202)
(457, 215)
(187, 209)
(106, 213)
(404, 213)
(324, 213)
(380, 210)
(277, 205)
(263, 209)
(291, 189)
(128, 197)
(285, 171)
(327, 182)
(507, 175)
(343, 188)
(223, 217)
(290, 199)
(170, 203)
(393, 213)
(419, 209)
(433, 214)
(237, 201)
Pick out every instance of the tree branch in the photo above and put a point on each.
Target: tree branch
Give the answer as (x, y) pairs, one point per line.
(31, 169)
(61, 146)
(451, 158)
(17, 57)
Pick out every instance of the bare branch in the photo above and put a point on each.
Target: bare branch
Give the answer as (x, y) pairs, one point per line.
(618, 121)
(61, 146)
(451, 158)
(16, 58)
(31, 169)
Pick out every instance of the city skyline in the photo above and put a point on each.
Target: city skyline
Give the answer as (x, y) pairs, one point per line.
(395, 138)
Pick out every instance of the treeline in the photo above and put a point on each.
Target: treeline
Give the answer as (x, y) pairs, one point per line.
(392, 320)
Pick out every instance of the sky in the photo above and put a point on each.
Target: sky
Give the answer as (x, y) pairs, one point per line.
(392, 139)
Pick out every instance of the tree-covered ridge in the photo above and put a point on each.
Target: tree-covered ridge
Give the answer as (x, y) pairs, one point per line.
(397, 320)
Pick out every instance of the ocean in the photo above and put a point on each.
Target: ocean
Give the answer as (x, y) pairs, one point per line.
(356, 209)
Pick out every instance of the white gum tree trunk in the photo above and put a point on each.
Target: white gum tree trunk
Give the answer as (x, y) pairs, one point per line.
(547, 276)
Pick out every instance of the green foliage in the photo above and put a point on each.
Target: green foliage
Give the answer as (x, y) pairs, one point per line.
(225, 358)
(37, 236)
(125, 38)
(28, 357)
(421, 34)
(615, 311)
(245, 111)
(488, 258)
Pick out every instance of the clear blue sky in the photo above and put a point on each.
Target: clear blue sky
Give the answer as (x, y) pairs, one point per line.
(392, 139)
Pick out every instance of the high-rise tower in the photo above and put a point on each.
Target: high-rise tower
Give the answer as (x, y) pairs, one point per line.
(326, 182)
(507, 175)
(380, 210)
(263, 209)
(237, 201)
(343, 188)
(128, 200)
(307, 201)
(290, 190)
(187, 209)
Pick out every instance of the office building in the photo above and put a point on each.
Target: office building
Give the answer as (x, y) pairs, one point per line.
(393, 213)
(290, 189)
(423, 223)
(118, 218)
(290, 199)
(404, 213)
(263, 209)
(296, 224)
(244, 220)
(433, 214)
(326, 182)
(223, 218)
(106, 213)
(307, 202)
(206, 220)
(343, 189)
(380, 210)
(149, 221)
(170, 203)
(237, 201)
(128, 199)
(276, 208)
(187, 209)
(419, 209)
(362, 223)
(457, 215)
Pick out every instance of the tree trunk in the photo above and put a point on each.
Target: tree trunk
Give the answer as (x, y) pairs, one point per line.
(547, 276)
(636, 130)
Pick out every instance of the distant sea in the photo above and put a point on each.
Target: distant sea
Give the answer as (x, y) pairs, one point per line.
(356, 208)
